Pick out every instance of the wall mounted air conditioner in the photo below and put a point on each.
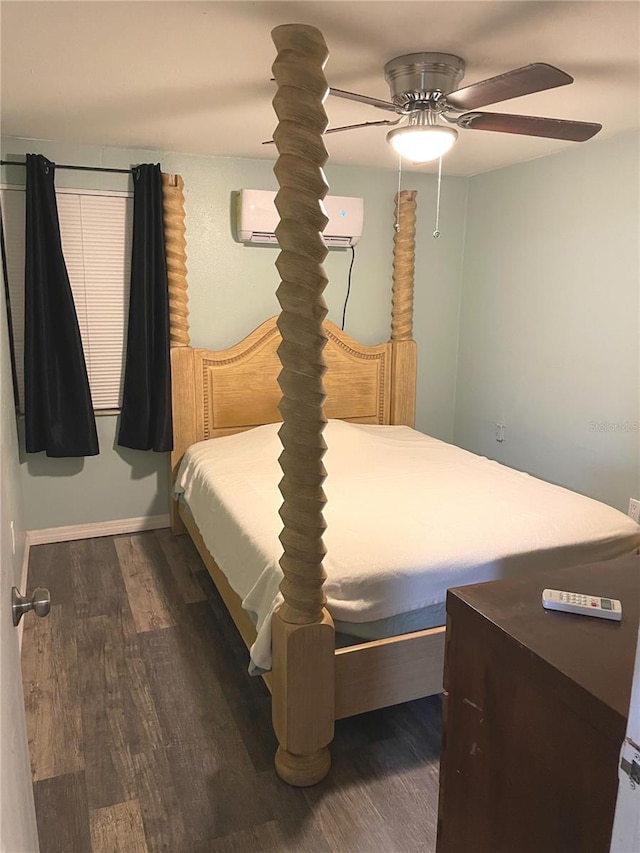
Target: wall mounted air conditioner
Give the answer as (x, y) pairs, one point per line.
(257, 218)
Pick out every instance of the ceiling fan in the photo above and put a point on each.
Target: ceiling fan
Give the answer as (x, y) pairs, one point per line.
(425, 96)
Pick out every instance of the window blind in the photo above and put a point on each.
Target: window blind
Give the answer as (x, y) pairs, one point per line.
(96, 243)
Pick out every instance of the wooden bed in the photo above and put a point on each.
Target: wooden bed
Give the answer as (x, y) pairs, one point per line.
(220, 393)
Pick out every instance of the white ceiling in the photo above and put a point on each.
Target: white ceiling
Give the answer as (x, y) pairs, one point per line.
(193, 77)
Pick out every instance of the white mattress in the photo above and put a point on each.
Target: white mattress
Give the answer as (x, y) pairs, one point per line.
(407, 517)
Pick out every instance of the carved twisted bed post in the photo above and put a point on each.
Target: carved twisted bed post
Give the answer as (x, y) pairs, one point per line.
(302, 634)
(176, 254)
(403, 403)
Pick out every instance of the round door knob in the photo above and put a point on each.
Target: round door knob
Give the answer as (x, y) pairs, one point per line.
(40, 603)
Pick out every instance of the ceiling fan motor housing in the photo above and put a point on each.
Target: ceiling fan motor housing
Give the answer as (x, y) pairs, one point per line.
(419, 77)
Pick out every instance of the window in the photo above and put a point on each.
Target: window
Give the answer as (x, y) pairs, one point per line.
(96, 242)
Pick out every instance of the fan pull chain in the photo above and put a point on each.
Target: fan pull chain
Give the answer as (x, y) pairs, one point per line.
(436, 233)
(396, 227)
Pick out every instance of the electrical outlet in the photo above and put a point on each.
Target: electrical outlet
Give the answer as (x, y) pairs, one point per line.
(634, 509)
(499, 432)
(13, 539)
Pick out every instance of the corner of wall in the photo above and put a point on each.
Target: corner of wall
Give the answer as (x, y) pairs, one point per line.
(463, 267)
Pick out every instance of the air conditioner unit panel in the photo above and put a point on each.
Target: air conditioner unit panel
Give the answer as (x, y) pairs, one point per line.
(257, 218)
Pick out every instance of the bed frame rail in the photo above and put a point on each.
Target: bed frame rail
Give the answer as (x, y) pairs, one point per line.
(386, 672)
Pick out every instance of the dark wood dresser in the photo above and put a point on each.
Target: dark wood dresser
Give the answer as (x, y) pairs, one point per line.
(535, 713)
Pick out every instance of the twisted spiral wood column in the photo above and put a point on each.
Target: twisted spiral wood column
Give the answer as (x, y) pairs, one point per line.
(175, 249)
(176, 255)
(302, 635)
(404, 253)
(404, 358)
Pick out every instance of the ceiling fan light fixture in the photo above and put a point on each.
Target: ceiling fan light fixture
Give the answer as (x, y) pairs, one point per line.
(421, 144)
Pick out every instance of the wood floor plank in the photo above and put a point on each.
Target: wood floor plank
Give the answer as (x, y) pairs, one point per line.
(265, 838)
(226, 658)
(219, 792)
(109, 767)
(118, 713)
(51, 567)
(211, 769)
(52, 706)
(182, 557)
(253, 720)
(96, 579)
(298, 829)
(118, 828)
(62, 814)
(150, 603)
(346, 815)
(159, 804)
(418, 724)
(190, 703)
(226, 649)
(401, 787)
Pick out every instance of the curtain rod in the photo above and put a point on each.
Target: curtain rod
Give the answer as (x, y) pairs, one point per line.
(75, 168)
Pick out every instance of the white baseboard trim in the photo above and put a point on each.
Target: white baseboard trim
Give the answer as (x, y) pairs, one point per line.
(23, 583)
(98, 528)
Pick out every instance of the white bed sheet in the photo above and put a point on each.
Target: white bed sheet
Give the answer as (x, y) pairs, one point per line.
(408, 516)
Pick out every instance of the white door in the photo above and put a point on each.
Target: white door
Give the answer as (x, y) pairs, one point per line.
(18, 833)
(626, 825)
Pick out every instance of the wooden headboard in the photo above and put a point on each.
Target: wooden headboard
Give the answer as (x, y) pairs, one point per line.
(220, 393)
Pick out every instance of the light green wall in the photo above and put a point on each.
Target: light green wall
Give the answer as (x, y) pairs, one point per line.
(232, 290)
(10, 484)
(118, 483)
(549, 327)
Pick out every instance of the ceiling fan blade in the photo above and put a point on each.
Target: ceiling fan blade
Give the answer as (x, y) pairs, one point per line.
(364, 99)
(363, 124)
(512, 84)
(550, 128)
(351, 127)
(361, 99)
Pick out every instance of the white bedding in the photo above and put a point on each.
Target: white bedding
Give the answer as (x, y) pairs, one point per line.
(407, 517)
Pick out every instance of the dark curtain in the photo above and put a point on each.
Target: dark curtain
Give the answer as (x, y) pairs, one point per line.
(145, 422)
(58, 410)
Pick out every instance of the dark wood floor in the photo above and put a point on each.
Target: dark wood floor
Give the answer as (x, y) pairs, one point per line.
(147, 734)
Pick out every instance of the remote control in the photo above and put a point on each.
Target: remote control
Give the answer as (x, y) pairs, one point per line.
(586, 605)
